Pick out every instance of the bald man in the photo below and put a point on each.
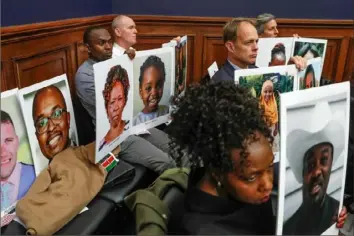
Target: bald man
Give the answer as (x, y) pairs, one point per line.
(51, 120)
(125, 34)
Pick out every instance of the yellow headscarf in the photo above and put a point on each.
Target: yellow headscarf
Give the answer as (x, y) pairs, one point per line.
(270, 107)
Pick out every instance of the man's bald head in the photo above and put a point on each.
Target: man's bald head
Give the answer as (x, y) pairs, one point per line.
(50, 91)
(51, 120)
(124, 29)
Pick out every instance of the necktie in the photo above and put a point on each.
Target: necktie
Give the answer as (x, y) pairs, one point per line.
(6, 201)
(6, 194)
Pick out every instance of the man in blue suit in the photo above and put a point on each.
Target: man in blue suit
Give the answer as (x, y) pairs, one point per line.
(16, 177)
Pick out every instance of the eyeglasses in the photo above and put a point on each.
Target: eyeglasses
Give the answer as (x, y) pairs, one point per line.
(42, 123)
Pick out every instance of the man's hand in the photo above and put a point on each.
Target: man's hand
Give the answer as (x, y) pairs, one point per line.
(131, 53)
(299, 62)
(177, 39)
(296, 36)
(342, 217)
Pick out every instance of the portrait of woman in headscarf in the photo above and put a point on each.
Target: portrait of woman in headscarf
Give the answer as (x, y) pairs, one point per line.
(268, 102)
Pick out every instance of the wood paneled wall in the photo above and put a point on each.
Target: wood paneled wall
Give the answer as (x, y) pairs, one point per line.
(36, 52)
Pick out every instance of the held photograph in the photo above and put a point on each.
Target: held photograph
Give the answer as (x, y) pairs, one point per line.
(314, 149)
(49, 117)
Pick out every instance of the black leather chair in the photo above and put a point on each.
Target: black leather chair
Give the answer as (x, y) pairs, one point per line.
(142, 179)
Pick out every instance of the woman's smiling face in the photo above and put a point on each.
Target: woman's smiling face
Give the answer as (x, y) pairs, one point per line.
(151, 89)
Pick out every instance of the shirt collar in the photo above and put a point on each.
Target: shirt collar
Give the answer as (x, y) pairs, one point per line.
(15, 176)
(117, 50)
(234, 66)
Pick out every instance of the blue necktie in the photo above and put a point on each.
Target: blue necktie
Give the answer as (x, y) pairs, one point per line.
(6, 191)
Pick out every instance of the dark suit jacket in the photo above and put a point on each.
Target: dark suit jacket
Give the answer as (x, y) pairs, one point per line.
(226, 72)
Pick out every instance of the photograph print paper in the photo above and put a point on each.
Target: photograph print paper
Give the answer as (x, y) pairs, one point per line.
(267, 84)
(114, 98)
(17, 170)
(311, 76)
(181, 66)
(49, 118)
(274, 51)
(309, 48)
(314, 147)
(154, 76)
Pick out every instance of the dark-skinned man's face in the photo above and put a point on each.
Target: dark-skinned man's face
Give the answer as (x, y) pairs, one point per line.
(100, 45)
(316, 172)
(52, 121)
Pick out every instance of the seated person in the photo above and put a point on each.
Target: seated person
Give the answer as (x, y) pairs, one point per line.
(230, 147)
(151, 84)
(149, 150)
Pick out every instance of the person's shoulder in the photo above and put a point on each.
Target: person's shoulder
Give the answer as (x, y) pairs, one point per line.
(85, 68)
(222, 74)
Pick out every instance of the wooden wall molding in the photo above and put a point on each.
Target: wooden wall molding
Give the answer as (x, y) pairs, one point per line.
(35, 52)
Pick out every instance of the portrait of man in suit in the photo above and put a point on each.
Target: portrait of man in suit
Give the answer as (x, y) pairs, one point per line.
(16, 177)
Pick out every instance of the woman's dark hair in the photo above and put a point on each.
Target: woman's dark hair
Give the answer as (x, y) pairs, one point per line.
(152, 61)
(309, 70)
(116, 74)
(278, 49)
(212, 118)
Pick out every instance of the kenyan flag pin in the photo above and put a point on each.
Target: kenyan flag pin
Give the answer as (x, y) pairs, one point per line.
(110, 162)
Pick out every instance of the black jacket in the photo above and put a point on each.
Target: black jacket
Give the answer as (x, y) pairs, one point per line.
(204, 214)
(226, 72)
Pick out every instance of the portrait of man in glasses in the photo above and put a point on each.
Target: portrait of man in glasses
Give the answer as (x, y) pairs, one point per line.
(51, 119)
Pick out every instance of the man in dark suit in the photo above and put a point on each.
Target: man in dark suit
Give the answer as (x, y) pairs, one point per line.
(241, 41)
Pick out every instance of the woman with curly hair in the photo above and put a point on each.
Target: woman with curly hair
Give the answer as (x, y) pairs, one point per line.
(151, 85)
(229, 145)
(115, 96)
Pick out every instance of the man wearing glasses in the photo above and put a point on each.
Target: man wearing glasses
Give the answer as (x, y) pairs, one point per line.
(51, 120)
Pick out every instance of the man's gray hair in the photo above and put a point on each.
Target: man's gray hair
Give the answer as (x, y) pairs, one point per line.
(116, 21)
(261, 20)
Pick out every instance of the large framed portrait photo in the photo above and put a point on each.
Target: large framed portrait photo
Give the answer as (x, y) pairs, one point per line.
(314, 149)
(17, 169)
(50, 119)
(154, 85)
(114, 103)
